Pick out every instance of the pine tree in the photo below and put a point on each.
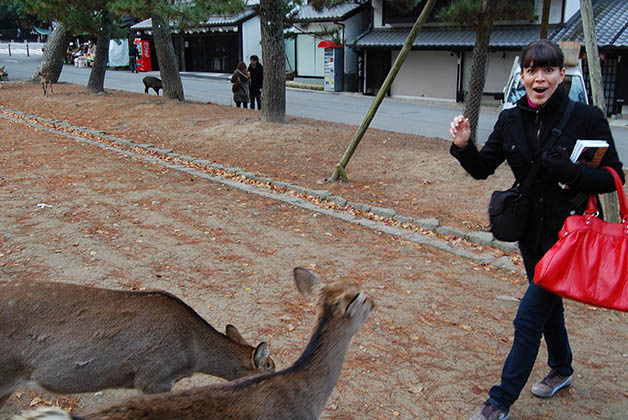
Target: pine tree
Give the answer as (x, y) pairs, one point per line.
(480, 15)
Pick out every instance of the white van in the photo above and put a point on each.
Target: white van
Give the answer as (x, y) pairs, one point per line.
(514, 89)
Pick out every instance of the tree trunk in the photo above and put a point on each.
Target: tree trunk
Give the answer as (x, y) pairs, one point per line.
(610, 203)
(273, 57)
(168, 69)
(96, 83)
(54, 54)
(473, 101)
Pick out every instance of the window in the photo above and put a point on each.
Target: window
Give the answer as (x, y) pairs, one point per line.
(395, 12)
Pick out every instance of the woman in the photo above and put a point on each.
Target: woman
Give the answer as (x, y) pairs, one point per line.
(240, 88)
(519, 137)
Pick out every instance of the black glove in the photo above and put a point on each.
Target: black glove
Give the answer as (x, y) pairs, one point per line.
(559, 166)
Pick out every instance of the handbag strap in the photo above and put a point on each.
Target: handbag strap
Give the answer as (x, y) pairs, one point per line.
(556, 133)
(621, 195)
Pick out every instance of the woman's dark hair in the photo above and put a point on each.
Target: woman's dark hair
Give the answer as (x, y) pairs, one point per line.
(242, 67)
(542, 53)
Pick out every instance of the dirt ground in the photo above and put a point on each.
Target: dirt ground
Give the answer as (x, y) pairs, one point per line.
(442, 327)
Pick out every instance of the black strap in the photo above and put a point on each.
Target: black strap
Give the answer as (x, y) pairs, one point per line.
(556, 133)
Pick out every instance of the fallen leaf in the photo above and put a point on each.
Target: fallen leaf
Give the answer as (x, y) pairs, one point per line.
(415, 389)
(476, 390)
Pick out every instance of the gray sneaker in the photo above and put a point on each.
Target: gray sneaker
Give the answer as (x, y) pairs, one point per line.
(490, 412)
(551, 384)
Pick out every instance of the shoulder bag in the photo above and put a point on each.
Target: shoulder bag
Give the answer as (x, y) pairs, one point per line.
(589, 263)
(508, 210)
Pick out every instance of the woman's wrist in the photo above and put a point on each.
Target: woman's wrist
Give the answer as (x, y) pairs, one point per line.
(462, 147)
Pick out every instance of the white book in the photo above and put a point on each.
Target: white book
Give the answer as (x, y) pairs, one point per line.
(589, 152)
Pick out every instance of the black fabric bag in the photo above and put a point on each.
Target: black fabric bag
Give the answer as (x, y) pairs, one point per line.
(508, 210)
(508, 213)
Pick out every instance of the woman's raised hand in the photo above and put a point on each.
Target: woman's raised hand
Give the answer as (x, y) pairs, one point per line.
(460, 131)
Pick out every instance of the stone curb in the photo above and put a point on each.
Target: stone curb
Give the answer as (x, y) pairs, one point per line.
(433, 225)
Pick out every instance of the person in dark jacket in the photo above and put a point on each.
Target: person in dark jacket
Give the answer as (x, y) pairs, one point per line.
(518, 138)
(133, 55)
(256, 71)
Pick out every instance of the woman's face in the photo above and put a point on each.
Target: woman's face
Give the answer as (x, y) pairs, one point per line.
(541, 82)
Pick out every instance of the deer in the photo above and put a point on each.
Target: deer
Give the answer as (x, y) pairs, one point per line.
(152, 82)
(46, 81)
(3, 74)
(68, 338)
(297, 392)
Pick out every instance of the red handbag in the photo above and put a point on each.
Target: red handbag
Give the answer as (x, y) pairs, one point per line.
(589, 263)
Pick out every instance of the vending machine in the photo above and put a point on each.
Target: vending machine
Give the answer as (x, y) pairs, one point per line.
(144, 59)
(333, 66)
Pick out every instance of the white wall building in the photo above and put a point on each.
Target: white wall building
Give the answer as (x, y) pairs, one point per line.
(439, 65)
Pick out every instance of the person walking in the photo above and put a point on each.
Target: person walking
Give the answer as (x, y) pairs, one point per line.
(240, 85)
(519, 137)
(256, 70)
(133, 55)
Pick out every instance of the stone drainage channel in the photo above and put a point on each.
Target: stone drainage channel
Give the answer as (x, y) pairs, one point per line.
(427, 232)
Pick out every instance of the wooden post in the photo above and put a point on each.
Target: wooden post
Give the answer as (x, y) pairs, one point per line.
(593, 56)
(545, 19)
(610, 205)
(339, 172)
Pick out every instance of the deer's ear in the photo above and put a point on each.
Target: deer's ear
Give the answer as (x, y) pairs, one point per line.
(233, 333)
(261, 354)
(306, 281)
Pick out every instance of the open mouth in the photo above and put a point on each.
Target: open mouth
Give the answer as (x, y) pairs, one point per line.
(540, 90)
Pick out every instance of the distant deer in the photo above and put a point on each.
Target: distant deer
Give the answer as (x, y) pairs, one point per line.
(3, 74)
(45, 82)
(296, 393)
(152, 82)
(69, 339)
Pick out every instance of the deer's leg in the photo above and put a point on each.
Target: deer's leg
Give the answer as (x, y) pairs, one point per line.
(11, 375)
(153, 387)
(151, 381)
(4, 399)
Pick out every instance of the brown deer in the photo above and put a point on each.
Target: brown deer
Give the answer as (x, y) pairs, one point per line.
(152, 82)
(3, 74)
(45, 82)
(298, 392)
(68, 339)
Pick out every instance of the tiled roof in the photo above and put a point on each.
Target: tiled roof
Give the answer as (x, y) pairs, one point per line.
(511, 37)
(611, 24)
(307, 12)
(211, 21)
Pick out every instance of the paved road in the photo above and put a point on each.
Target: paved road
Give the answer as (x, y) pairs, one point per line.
(430, 120)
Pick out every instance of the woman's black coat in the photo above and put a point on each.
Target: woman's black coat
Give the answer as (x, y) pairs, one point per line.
(514, 139)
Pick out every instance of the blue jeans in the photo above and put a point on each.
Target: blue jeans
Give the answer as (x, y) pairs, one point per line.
(540, 313)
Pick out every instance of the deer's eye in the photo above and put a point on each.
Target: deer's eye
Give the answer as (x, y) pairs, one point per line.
(353, 299)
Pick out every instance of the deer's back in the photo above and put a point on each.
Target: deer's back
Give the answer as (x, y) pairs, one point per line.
(243, 399)
(89, 331)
